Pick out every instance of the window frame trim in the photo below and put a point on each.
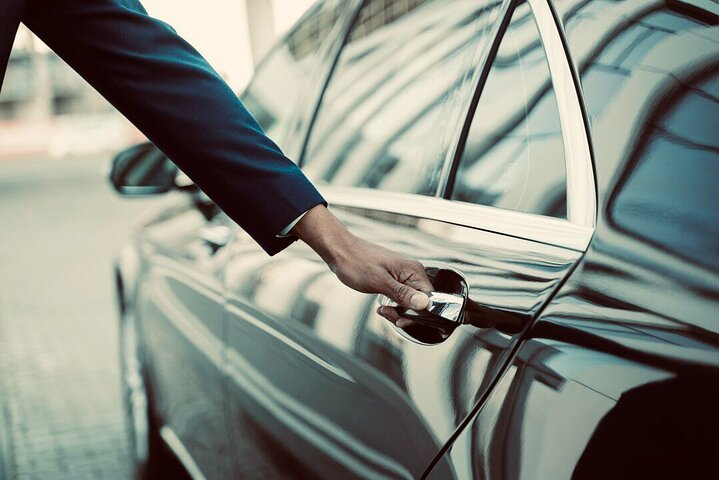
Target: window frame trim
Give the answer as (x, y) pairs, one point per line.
(529, 226)
(445, 187)
(579, 167)
(581, 185)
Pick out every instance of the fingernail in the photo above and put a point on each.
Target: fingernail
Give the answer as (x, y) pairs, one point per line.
(401, 323)
(419, 301)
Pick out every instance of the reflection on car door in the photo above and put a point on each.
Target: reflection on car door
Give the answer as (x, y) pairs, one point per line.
(180, 306)
(321, 382)
(320, 386)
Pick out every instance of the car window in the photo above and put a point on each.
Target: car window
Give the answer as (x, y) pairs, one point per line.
(671, 197)
(397, 95)
(514, 153)
(291, 70)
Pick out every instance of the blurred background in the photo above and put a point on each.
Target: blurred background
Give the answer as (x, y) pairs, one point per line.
(61, 225)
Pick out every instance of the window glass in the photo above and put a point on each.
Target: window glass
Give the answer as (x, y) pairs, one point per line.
(398, 93)
(514, 155)
(671, 197)
(291, 71)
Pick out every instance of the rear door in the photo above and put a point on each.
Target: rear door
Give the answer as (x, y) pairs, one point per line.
(411, 156)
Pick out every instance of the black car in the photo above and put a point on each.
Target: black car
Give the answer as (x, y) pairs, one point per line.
(554, 165)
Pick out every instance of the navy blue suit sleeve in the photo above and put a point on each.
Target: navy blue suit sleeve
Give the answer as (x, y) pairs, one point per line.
(165, 87)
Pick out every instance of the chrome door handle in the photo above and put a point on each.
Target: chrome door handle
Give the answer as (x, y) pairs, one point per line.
(445, 310)
(447, 306)
(450, 309)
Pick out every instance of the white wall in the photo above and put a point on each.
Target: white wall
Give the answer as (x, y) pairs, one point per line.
(218, 29)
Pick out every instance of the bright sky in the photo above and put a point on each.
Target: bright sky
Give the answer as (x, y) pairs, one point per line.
(218, 29)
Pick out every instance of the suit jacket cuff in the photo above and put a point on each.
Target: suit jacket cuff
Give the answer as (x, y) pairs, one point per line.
(286, 231)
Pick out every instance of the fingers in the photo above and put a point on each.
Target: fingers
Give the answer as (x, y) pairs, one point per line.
(407, 282)
(417, 277)
(391, 314)
(406, 296)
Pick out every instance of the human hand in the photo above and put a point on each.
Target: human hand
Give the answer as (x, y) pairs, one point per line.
(370, 268)
(365, 266)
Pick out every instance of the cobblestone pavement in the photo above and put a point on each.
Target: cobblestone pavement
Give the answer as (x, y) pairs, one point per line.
(60, 406)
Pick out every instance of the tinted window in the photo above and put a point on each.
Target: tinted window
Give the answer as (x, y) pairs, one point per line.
(671, 197)
(397, 94)
(514, 155)
(291, 71)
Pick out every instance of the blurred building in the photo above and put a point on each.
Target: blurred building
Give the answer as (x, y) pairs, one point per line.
(38, 84)
(46, 109)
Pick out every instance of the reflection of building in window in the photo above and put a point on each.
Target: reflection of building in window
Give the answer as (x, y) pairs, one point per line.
(291, 72)
(310, 34)
(377, 14)
(514, 155)
(397, 95)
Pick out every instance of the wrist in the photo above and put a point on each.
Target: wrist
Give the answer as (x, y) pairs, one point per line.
(325, 234)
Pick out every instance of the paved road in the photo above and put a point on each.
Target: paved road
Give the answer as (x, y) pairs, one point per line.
(60, 226)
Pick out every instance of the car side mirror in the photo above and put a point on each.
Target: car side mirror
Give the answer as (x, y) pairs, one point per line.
(142, 170)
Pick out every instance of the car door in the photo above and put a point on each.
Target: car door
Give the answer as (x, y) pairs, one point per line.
(180, 308)
(320, 386)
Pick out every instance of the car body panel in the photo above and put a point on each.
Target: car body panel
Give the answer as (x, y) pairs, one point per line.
(179, 303)
(315, 369)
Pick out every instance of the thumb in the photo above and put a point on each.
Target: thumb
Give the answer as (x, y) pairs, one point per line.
(407, 296)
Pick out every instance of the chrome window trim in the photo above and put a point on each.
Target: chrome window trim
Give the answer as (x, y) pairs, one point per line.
(539, 228)
(581, 189)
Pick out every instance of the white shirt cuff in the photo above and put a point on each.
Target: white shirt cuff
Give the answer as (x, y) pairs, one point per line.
(286, 231)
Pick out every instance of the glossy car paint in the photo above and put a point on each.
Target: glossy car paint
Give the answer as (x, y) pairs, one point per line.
(333, 389)
(270, 368)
